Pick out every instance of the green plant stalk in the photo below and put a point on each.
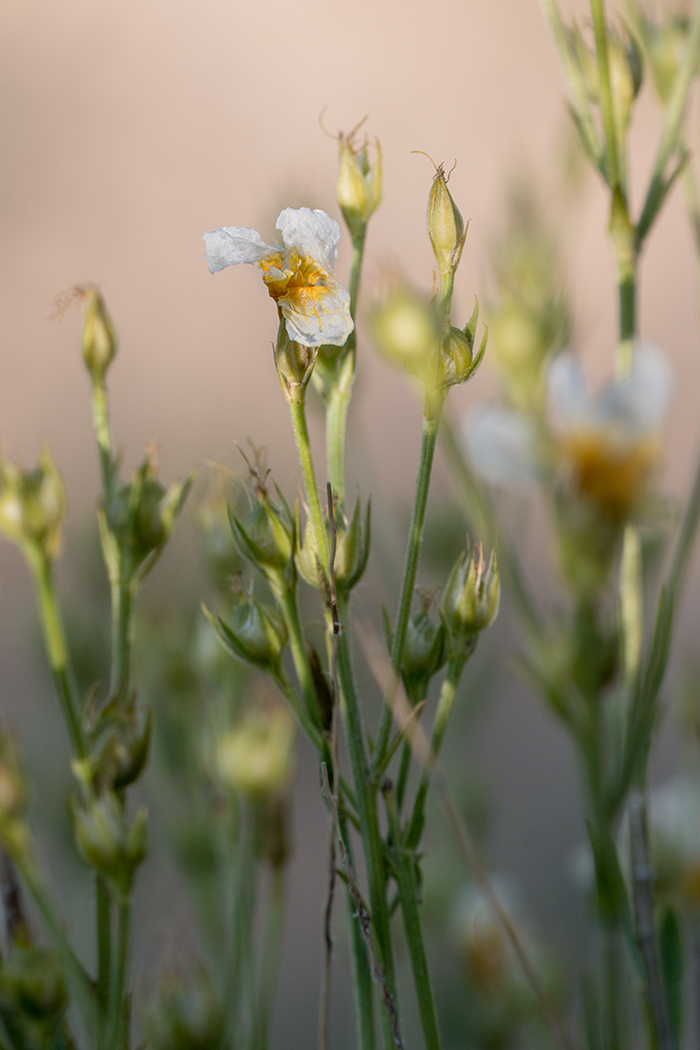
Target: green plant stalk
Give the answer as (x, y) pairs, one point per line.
(297, 409)
(339, 398)
(118, 1014)
(103, 914)
(405, 875)
(448, 692)
(290, 611)
(100, 418)
(121, 636)
(366, 800)
(600, 32)
(361, 970)
(240, 915)
(260, 1039)
(55, 644)
(431, 424)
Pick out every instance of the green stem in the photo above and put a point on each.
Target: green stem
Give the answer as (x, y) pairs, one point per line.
(270, 962)
(121, 637)
(118, 1034)
(100, 418)
(366, 801)
(442, 717)
(103, 910)
(301, 436)
(290, 611)
(405, 874)
(361, 969)
(431, 424)
(55, 644)
(600, 32)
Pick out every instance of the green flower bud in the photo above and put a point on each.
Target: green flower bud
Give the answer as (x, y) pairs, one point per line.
(99, 340)
(625, 68)
(471, 598)
(457, 361)
(186, 1016)
(105, 839)
(425, 652)
(32, 981)
(668, 43)
(119, 744)
(294, 363)
(407, 329)
(359, 187)
(33, 504)
(351, 552)
(257, 756)
(267, 537)
(445, 225)
(254, 633)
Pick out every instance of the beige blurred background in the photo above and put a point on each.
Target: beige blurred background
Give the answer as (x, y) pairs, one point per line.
(126, 129)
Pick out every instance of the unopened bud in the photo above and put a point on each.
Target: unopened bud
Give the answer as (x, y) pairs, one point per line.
(187, 1016)
(424, 654)
(472, 597)
(668, 45)
(253, 632)
(407, 329)
(107, 841)
(33, 504)
(351, 551)
(625, 70)
(445, 225)
(99, 340)
(257, 756)
(359, 187)
(267, 537)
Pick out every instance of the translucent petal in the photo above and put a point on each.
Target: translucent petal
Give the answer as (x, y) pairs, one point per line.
(569, 398)
(230, 245)
(640, 402)
(312, 232)
(319, 314)
(501, 446)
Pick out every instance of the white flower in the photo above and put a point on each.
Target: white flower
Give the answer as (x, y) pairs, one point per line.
(299, 276)
(607, 441)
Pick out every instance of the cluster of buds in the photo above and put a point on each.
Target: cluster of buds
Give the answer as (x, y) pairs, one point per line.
(359, 189)
(625, 66)
(33, 506)
(186, 1016)
(107, 840)
(351, 550)
(471, 599)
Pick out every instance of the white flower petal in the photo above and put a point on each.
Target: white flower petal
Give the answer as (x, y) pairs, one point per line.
(501, 446)
(312, 232)
(639, 402)
(314, 319)
(568, 394)
(230, 245)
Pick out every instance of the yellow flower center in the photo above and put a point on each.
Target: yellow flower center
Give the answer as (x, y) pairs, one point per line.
(609, 472)
(300, 282)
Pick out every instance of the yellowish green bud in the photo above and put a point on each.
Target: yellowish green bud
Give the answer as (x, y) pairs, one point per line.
(359, 187)
(33, 504)
(257, 756)
(625, 69)
(32, 981)
(407, 330)
(99, 340)
(471, 599)
(445, 225)
(668, 46)
(106, 840)
(267, 537)
(119, 744)
(294, 362)
(351, 553)
(253, 632)
(425, 652)
(186, 1016)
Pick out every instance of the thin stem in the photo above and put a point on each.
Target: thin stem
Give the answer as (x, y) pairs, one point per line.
(301, 436)
(55, 644)
(442, 716)
(290, 611)
(431, 424)
(121, 637)
(270, 959)
(600, 32)
(361, 969)
(366, 800)
(645, 925)
(100, 418)
(405, 874)
(103, 915)
(118, 1035)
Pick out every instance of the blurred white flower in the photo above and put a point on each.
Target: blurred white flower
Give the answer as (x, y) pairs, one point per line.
(299, 276)
(607, 441)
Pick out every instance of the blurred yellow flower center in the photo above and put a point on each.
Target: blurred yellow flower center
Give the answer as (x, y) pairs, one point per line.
(609, 472)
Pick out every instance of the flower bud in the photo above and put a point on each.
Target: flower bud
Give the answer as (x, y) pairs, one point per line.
(254, 633)
(424, 654)
(471, 598)
(445, 225)
(351, 552)
(407, 329)
(267, 537)
(119, 744)
(457, 361)
(32, 981)
(257, 756)
(359, 187)
(294, 363)
(625, 69)
(186, 1016)
(99, 340)
(105, 839)
(33, 504)
(668, 43)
